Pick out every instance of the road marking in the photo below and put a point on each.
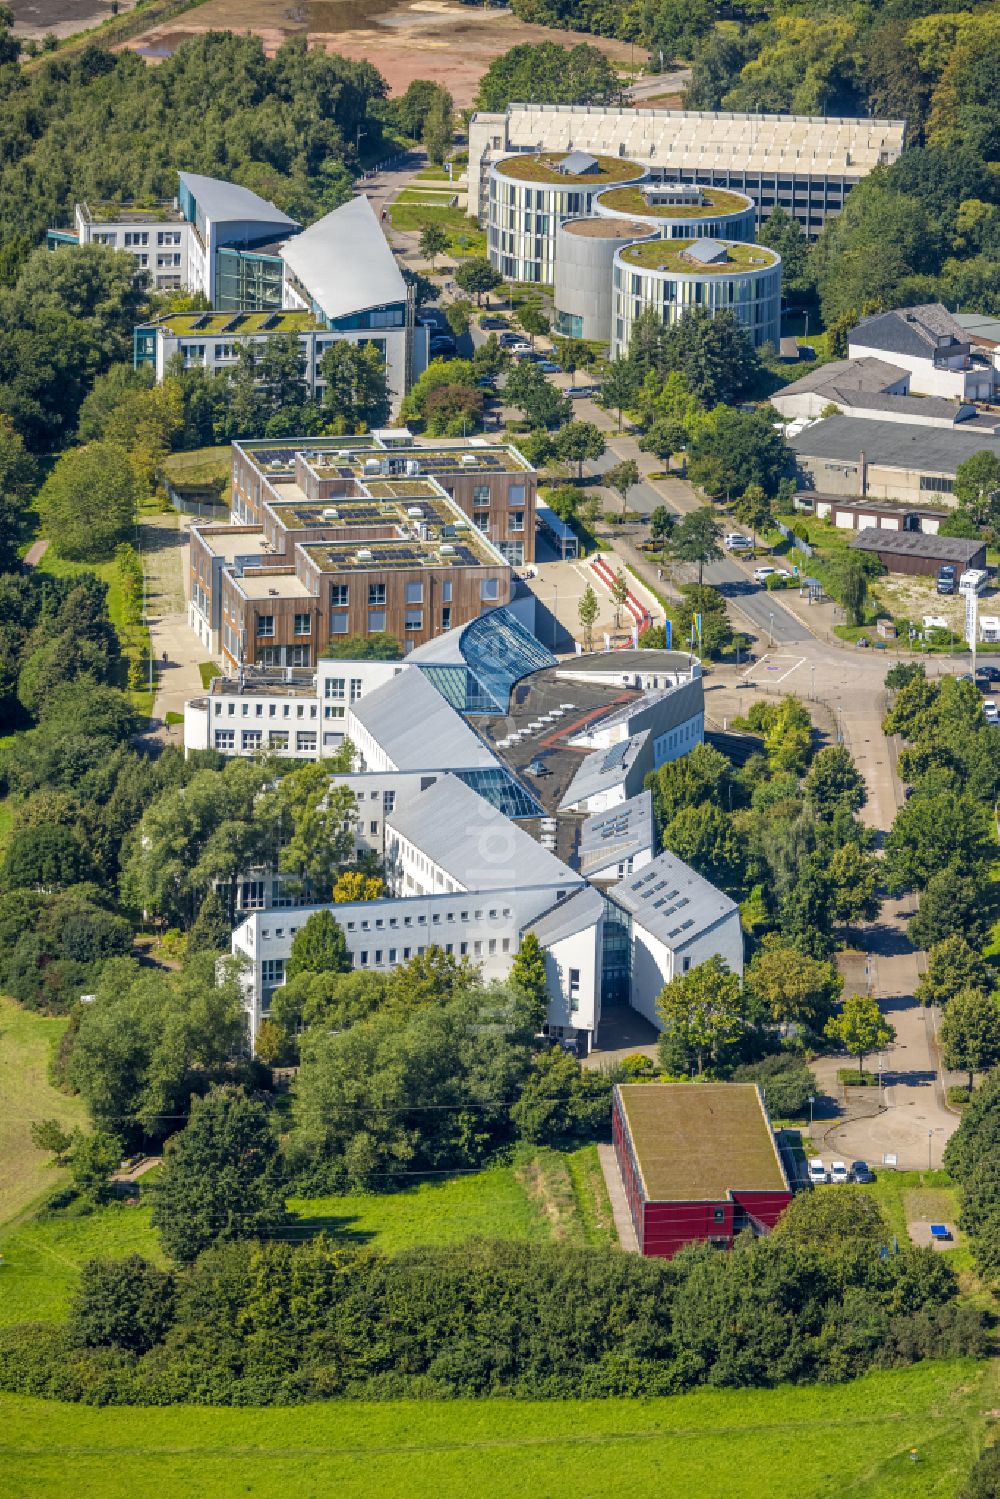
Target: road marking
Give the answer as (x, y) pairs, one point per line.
(771, 662)
(794, 667)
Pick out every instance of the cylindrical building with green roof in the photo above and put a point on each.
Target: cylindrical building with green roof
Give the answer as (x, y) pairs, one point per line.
(682, 210)
(531, 194)
(674, 276)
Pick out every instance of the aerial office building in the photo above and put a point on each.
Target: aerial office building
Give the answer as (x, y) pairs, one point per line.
(531, 195)
(475, 848)
(215, 238)
(334, 537)
(492, 483)
(803, 164)
(682, 210)
(673, 276)
(337, 281)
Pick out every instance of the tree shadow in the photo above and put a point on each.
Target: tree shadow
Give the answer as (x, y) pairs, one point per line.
(336, 1225)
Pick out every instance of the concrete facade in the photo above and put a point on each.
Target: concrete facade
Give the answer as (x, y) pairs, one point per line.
(585, 251)
(806, 165)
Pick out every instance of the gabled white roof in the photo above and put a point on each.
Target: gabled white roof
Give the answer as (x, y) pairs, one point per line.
(227, 202)
(344, 262)
(474, 843)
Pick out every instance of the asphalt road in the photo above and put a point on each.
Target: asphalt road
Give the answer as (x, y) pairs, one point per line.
(768, 616)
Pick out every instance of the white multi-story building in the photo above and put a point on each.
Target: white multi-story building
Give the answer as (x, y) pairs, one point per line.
(934, 349)
(215, 238)
(477, 849)
(531, 195)
(336, 282)
(803, 164)
(674, 276)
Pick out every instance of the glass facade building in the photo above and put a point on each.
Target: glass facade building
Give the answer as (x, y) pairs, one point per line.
(478, 666)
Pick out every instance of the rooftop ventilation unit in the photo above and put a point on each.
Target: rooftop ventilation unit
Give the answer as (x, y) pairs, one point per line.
(412, 467)
(447, 550)
(415, 512)
(461, 525)
(373, 466)
(329, 514)
(363, 555)
(468, 459)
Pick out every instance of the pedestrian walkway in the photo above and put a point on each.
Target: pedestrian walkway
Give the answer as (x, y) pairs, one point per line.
(175, 648)
(619, 1203)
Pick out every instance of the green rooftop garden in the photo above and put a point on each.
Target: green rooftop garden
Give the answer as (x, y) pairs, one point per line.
(716, 200)
(212, 324)
(543, 168)
(669, 255)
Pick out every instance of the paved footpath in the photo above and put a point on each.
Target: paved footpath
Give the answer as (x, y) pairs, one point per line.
(175, 647)
(619, 1202)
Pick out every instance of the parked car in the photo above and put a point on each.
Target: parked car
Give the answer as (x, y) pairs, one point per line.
(987, 674)
(990, 711)
(817, 1173)
(946, 579)
(508, 340)
(839, 1172)
(862, 1173)
(583, 390)
(549, 366)
(735, 542)
(765, 571)
(493, 324)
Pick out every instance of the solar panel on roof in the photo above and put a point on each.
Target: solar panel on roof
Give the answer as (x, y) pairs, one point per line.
(615, 755)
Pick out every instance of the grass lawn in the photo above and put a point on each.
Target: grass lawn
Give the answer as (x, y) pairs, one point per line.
(544, 1194)
(464, 235)
(921, 1197)
(489, 1204)
(26, 1095)
(42, 1258)
(788, 1443)
(200, 466)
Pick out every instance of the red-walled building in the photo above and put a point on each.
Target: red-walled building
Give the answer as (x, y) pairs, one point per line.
(698, 1161)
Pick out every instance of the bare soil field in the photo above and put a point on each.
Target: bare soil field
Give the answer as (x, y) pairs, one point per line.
(448, 43)
(36, 18)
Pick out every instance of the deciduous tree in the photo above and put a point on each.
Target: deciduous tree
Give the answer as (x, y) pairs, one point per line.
(860, 1027)
(221, 1177)
(970, 1032)
(703, 1013)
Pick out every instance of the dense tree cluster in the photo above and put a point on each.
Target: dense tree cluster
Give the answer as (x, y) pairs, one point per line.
(101, 126)
(824, 1298)
(780, 834)
(549, 74)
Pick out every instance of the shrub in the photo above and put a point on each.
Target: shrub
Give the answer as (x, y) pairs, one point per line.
(852, 1078)
(958, 1097)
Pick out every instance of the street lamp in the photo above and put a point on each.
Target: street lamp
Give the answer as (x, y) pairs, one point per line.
(555, 613)
(812, 1100)
(930, 1138)
(770, 630)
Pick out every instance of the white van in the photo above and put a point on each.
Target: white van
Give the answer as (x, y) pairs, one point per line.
(973, 581)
